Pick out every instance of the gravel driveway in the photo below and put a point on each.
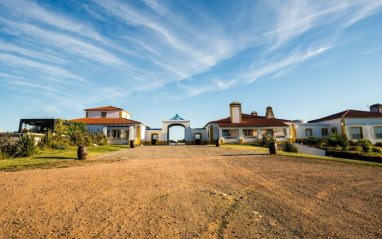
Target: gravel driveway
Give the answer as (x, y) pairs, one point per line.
(192, 192)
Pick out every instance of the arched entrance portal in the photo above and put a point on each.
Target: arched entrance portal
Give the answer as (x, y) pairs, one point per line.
(179, 139)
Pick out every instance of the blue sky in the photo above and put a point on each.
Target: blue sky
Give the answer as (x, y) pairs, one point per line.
(306, 59)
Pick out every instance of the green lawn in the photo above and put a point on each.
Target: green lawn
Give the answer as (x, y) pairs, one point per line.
(55, 158)
(266, 150)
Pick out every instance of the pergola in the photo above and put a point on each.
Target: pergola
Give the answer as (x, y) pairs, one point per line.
(40, 125)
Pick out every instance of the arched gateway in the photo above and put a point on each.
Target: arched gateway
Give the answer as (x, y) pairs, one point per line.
(162, 136)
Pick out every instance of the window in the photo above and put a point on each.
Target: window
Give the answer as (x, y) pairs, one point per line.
(378, 132)
(108, 133)
(325, 132)
(308, 132)
(247, 132)
(225, 133)
(334, 130)
(116, 133)
(356, 132)
(127, 134)
(285, 131)
(270, 131)
(103, 114)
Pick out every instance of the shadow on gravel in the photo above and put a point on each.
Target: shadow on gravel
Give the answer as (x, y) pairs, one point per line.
(54, 157)
(229, 155)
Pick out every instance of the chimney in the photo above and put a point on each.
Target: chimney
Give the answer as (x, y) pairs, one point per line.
(377, 108)
(235, 110)
(269, 114)
(254, 113)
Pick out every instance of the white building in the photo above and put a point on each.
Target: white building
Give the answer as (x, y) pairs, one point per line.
(248, 128)
(162, 136)
(238, 128)
(355, 124)
(115, 123)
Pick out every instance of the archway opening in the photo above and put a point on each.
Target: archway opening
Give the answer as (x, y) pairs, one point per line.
(176, 134)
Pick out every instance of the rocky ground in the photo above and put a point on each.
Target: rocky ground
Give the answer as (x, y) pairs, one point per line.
(193, 192)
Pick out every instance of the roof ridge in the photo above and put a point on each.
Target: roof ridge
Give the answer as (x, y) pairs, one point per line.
(345, 114)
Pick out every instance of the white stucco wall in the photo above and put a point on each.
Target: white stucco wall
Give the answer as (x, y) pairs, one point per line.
(367, 127)
(109, 114)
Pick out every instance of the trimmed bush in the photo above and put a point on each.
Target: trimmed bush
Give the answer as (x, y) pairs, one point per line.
(364, 144)
(312, 141)
(376, 150)
(378, 144)
(340, 140)
(354, 148)
(289, 147)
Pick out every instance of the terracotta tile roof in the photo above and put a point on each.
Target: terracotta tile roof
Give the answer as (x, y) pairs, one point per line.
(349, 114)
(106, 121)
(250, 121)
(106, 108)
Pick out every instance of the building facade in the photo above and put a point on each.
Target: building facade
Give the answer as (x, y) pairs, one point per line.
(237, 128)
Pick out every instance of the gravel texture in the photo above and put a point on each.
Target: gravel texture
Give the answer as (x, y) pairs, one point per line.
(193, 192)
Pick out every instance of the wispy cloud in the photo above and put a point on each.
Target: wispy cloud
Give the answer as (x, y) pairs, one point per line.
(164, 50)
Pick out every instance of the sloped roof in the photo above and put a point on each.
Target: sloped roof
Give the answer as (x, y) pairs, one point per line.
(176, 117)
(106, 108)
(106, 121)
(349, 114)
(250, 121)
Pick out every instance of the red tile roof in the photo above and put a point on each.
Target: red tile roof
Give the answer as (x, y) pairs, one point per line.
(250, 121)
(106, 121)
(349, 114)
(106, 108)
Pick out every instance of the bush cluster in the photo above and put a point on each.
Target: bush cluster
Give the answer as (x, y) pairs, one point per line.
(365, 145)
(338, 140)
(289, 147)
(66, 134)
(266, 139)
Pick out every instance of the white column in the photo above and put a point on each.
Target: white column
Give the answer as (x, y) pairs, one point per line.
(104, 130)
(131, 133)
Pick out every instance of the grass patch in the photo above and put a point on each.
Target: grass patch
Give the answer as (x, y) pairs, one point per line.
(298, 155)
(55, 158)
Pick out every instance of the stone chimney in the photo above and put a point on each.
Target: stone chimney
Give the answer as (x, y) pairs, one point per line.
(377, 108)
(235, 110)
(269, 114)
(254, 113)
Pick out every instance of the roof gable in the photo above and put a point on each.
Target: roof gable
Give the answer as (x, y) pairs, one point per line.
(106, 108)
(105, 121)
(250, 121)
(349, 114)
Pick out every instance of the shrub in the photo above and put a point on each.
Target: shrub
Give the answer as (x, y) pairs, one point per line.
(354, 148)
(46, 141)
(366, 149)
(340, 140)
(289, 147)
(312, 141)
(6, 146)
(61, 146)
(25, 146)
(365, 144)
(376, 150)
(378, 144)
(343, 141)
(267, 139)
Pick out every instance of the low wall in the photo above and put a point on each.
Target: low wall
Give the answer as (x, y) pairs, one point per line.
(305, 149)
(356, 156)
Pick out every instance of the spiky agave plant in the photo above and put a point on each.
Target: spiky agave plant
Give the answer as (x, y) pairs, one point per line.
(26, 146)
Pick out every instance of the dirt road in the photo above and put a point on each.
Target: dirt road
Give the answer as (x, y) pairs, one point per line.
(193, 192)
